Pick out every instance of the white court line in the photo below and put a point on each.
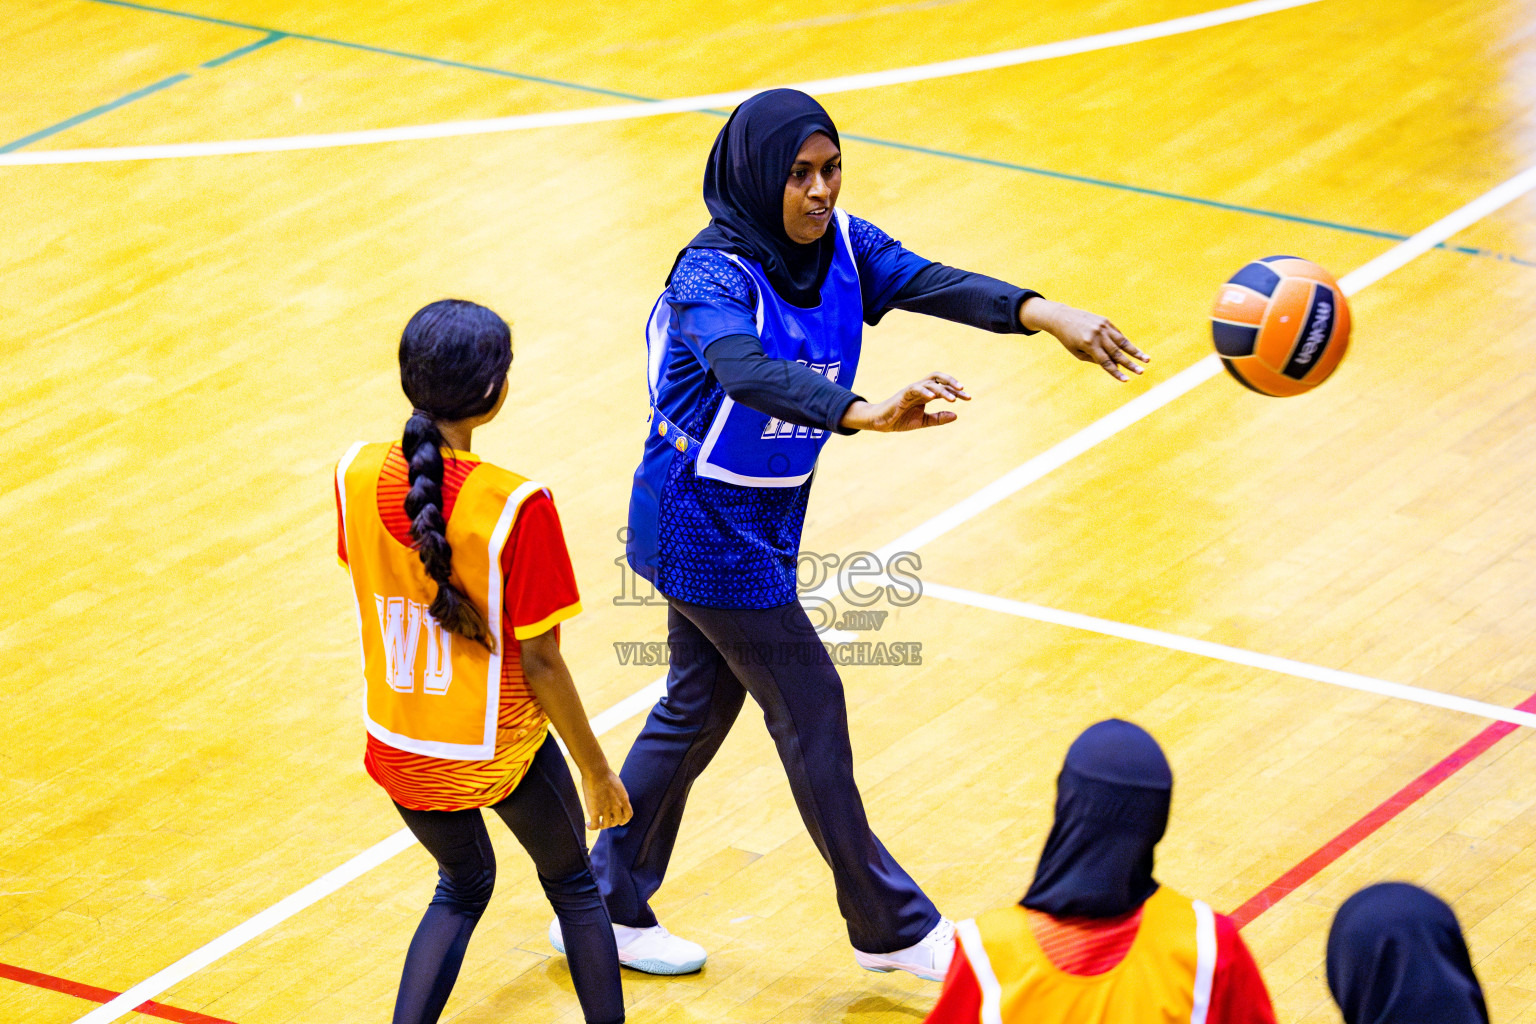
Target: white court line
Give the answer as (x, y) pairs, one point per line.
(1221, 652)
(624, 710)
(323, 886)
(966, 509)
(686, 104)
(1452, 223)
(1054, 457)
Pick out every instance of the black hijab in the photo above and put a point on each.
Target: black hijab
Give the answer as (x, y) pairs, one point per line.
(744, 190)
(1396, 956)
(1112, 800)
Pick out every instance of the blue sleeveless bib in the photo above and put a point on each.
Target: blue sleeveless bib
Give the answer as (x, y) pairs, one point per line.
(751, 448)
(708, 534)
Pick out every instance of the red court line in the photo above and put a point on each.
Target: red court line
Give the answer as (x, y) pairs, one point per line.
(1388, 809)
(103, 995)
(1261, 901)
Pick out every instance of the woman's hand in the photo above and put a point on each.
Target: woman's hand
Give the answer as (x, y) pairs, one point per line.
(607, 801)
(550, 680)
(907, 408)
(1090, 337)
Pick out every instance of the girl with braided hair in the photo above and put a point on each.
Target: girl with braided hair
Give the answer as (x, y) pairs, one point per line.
(462, 579)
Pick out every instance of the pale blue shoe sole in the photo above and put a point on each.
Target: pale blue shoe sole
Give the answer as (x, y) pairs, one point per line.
(926, 976)
(661, 967)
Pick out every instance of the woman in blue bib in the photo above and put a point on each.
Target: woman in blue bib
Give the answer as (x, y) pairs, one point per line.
(752, 349)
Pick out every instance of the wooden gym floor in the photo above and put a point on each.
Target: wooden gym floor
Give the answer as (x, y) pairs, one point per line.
(191, 343)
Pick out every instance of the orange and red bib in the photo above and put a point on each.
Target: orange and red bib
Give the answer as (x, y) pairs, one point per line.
(429, 692)
(1165, 977)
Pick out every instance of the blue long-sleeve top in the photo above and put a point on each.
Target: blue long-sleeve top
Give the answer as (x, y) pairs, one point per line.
(694, 524)
(716, 303)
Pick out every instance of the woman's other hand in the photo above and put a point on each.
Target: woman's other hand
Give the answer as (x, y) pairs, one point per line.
(607, 800)
(1090, 337)
(907, 408)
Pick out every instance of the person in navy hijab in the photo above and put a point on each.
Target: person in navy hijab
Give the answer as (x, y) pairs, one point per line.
(1112, 800)
(752, 351)
(1097, 937)
(744, 193)
(1396, 956)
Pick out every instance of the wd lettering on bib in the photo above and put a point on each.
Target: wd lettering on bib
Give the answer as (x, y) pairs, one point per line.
(402, 624)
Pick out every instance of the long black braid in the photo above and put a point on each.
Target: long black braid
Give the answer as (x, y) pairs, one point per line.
(454, 356)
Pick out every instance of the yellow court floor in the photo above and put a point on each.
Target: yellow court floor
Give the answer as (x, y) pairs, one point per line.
(191, 342)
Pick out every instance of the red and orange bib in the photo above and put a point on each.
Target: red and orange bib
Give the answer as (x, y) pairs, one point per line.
(431, 696)
(1165, 977)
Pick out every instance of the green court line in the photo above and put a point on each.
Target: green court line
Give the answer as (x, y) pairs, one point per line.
(137, 94)
(1197, 200)
(385, 51)
(271, 38)
(887, 143)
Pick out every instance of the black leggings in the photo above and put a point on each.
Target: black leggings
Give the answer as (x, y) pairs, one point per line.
(720, 655)
(544, 813)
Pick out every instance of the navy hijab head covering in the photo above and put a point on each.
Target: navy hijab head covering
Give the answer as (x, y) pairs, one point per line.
(744, 190)
(1112, 799)
(1396, 956)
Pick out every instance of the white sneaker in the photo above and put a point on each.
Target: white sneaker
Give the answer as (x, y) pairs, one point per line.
(929, 959)
(653, 950)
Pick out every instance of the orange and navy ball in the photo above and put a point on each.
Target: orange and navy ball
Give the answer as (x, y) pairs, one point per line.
(1281, 325)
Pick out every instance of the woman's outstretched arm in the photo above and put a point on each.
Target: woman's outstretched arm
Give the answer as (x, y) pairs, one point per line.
(782, 388)
(893, 277)
(1088, 336)
(965, 297)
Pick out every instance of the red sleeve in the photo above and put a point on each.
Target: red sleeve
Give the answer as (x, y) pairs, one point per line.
(540, 590)
(960, 1000)
(1238, 995)
(341, 530)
